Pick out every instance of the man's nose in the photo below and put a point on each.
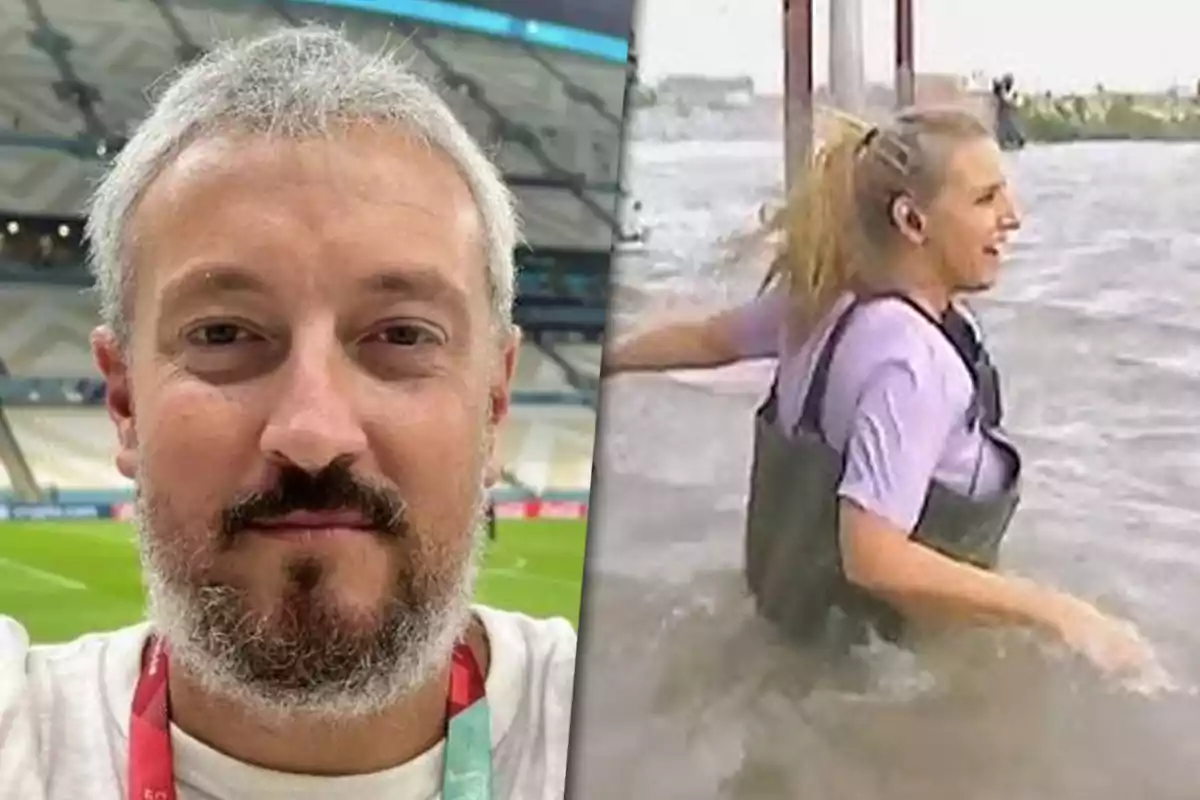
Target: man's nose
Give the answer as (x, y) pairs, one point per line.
(314, 421)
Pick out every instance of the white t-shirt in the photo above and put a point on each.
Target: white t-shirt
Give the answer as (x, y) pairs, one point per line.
(64, 724)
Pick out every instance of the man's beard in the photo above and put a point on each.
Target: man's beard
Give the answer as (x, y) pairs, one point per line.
(306, 656)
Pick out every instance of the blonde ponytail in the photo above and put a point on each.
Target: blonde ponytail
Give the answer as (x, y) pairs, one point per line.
(817, 260)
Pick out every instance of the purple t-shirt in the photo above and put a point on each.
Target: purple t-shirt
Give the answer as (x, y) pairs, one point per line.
(896, 405)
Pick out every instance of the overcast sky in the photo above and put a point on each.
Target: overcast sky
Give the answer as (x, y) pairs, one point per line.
(1143, 45)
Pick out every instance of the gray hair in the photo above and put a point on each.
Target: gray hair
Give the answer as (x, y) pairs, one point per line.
(296, 83)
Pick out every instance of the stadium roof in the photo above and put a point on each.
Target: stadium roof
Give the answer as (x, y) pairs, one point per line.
(543, 84)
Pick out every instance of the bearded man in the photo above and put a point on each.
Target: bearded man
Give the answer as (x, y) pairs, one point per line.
(305, 270)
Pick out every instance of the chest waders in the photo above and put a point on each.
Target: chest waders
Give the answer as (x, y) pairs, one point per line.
(793, 559)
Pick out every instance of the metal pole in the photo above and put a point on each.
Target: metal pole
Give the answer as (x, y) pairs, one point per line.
(846, 82)
(797, 83)
(905, 50)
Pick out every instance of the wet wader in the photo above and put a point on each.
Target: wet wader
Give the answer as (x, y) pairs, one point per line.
(793, 558)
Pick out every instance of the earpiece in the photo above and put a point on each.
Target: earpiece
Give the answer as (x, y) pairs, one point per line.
(903, 210)
(914, 220)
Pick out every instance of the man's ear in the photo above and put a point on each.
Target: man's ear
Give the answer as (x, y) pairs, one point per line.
(492, 474)
(503, 371)
(110, 360)
(504, 368)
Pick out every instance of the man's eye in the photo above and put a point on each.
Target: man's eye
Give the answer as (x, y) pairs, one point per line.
(218, 334)
(407, 335)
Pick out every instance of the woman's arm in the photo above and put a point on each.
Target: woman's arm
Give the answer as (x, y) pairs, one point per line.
(748, 331)
(923, 584)
(688, 344)
(901, 427)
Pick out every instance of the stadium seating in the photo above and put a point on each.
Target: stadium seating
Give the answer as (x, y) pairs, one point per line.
(70, 450)
(547, 114)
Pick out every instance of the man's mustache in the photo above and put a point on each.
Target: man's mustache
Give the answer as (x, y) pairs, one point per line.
(334, 488)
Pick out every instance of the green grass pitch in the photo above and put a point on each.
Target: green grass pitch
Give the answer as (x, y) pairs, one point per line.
(61, 579)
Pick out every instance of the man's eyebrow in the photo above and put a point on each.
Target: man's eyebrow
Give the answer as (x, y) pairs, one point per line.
(209, 280)
(415, 281)
(410, 281)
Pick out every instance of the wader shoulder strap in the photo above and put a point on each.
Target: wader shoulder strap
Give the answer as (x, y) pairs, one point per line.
(965, 344)
(971, 353)
(810, 414)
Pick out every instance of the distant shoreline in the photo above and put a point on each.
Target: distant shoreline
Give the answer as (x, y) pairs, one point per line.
(1118, 118)
(1109, 120)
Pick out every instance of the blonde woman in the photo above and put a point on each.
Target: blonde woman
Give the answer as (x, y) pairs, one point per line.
(882, 485)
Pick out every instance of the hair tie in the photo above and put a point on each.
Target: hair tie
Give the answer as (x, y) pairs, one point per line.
(867, 138)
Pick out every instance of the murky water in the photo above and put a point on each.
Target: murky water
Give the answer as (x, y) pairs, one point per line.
(684, 694)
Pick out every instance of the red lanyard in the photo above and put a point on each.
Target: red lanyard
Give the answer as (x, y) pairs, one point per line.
(151, 768)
